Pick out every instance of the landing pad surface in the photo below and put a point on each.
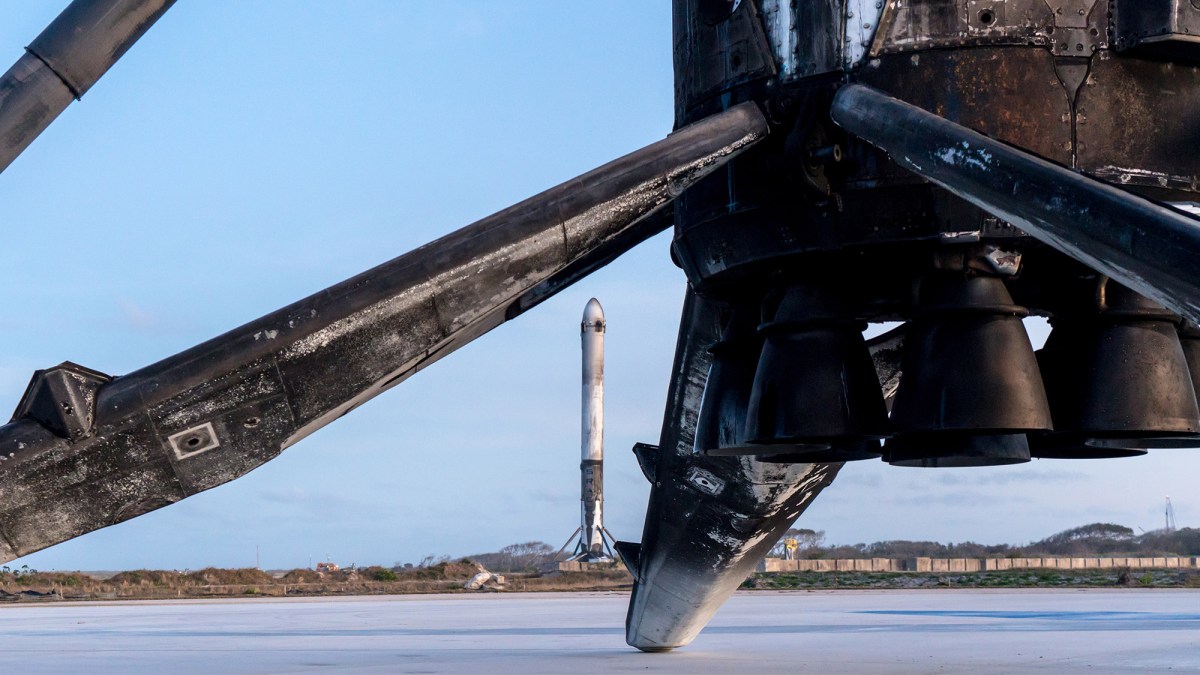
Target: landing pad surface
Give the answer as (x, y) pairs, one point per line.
(845, 631)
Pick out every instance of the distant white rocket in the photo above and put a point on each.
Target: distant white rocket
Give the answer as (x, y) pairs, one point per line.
(592, 448)
(594, 543)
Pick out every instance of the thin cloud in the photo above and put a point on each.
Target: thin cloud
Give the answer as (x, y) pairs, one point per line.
(137, 317)
(319, 501)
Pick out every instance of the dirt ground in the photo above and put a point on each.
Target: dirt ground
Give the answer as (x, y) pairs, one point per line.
(18, 586)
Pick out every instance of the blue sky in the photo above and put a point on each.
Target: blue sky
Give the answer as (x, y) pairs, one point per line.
(243, 155)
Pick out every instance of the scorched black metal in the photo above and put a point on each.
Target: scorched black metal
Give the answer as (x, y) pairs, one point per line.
(955, 165)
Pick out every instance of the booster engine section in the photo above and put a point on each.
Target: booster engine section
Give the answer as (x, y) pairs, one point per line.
(951, 165)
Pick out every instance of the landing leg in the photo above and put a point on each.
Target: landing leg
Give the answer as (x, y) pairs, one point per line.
(710, 519)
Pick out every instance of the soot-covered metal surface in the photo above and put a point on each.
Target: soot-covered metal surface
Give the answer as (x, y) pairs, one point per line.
(953, 164)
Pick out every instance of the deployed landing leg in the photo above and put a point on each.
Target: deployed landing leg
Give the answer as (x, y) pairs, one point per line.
(710, 519)
(601, 551)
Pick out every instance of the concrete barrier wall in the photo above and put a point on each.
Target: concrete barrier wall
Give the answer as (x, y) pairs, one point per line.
(949, 565)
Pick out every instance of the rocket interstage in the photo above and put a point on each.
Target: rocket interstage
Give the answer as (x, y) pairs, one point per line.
(594, 541)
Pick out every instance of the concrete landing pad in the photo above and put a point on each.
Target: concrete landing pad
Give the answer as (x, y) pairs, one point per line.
(844, 631)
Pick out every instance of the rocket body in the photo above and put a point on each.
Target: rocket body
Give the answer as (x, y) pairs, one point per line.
(592, 447)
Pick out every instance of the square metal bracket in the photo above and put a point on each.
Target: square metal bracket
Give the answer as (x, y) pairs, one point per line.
(193, 441)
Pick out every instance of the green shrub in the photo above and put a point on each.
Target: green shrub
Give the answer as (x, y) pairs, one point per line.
(384, 574)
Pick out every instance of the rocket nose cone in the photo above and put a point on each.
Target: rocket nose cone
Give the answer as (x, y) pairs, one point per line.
(593, 313)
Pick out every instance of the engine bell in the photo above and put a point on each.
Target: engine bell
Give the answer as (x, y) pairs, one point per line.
(838, 451)
(1118, 379)
(1066, 445)
(950, 449)
(721, 424)
(815, 391)
(970, 388)
(1189, 339)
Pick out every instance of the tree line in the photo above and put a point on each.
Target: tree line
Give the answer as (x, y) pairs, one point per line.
(1095, 539)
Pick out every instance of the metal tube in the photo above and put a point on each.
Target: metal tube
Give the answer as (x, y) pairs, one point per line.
(591, 467)
(62, 63)
(1146, 246)
(218, 410)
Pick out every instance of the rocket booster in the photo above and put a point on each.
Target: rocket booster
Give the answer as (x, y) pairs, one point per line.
(592, 446)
